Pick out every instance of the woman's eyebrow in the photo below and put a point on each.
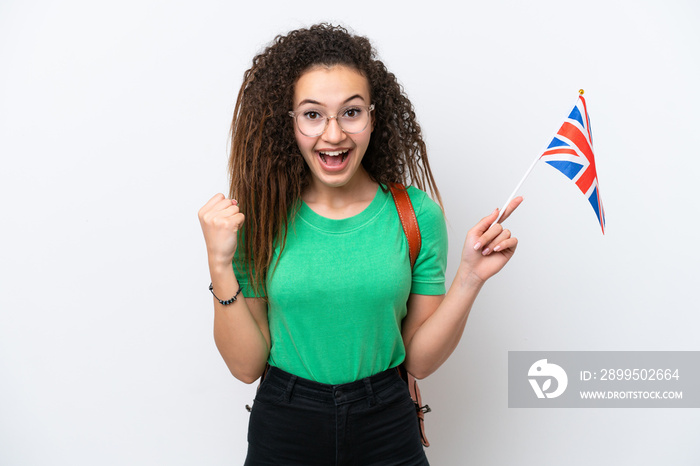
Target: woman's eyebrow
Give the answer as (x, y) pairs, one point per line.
(315, 102)
(356, 96)
(310, 101)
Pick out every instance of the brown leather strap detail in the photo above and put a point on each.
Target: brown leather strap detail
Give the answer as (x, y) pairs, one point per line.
(421, 409)
(408, 219)
(409, 223)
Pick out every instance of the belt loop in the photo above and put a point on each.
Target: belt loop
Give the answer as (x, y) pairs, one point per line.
(290, 386)
(370, 393)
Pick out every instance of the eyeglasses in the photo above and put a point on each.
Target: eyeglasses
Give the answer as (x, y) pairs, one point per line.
(352, 119)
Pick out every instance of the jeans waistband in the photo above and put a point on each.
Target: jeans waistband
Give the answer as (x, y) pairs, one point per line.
(331, 394)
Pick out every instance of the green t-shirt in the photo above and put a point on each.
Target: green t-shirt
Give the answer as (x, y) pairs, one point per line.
(338, 295)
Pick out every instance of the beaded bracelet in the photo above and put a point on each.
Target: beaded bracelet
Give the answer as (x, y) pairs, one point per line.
(229, 301)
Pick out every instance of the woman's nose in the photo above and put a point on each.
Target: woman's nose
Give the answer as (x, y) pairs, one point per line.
(333, 133)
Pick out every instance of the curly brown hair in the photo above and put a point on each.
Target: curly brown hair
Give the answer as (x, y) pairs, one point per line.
(267, 171)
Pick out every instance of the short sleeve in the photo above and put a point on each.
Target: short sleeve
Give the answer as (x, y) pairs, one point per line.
(429, 269)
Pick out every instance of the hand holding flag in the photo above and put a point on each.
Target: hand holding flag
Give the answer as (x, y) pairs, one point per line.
(489, 246)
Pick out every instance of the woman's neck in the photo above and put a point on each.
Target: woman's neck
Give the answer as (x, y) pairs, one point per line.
(342, 201)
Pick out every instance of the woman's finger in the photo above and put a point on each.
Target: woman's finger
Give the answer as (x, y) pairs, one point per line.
(508, 245)
(488, 236)
(496, 244)
(510, 208)
(483, 225)
(229, 210)
(217, 205)
(216, 198)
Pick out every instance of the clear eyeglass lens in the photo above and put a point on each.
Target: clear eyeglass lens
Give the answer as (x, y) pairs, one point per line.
(352, 120)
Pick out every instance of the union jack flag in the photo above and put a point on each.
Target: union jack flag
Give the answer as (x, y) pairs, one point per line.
(571, 152)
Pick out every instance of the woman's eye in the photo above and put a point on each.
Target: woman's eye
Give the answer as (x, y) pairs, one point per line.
(312, 115)
(352, 112)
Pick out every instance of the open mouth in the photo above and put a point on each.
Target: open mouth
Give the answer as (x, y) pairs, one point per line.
(335, 158)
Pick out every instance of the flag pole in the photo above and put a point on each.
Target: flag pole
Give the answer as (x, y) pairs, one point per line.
(522, 180)
(527, 173)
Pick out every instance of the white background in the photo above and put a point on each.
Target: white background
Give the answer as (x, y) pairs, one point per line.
(113, 132)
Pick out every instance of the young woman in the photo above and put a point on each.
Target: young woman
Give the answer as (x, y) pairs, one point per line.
(321, 286)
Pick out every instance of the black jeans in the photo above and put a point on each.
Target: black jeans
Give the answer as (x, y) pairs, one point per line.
(296, 421)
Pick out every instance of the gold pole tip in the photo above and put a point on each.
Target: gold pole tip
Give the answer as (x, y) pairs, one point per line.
(580, 91)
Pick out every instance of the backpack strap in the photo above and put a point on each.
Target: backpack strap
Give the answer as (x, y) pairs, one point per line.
(408, 220)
